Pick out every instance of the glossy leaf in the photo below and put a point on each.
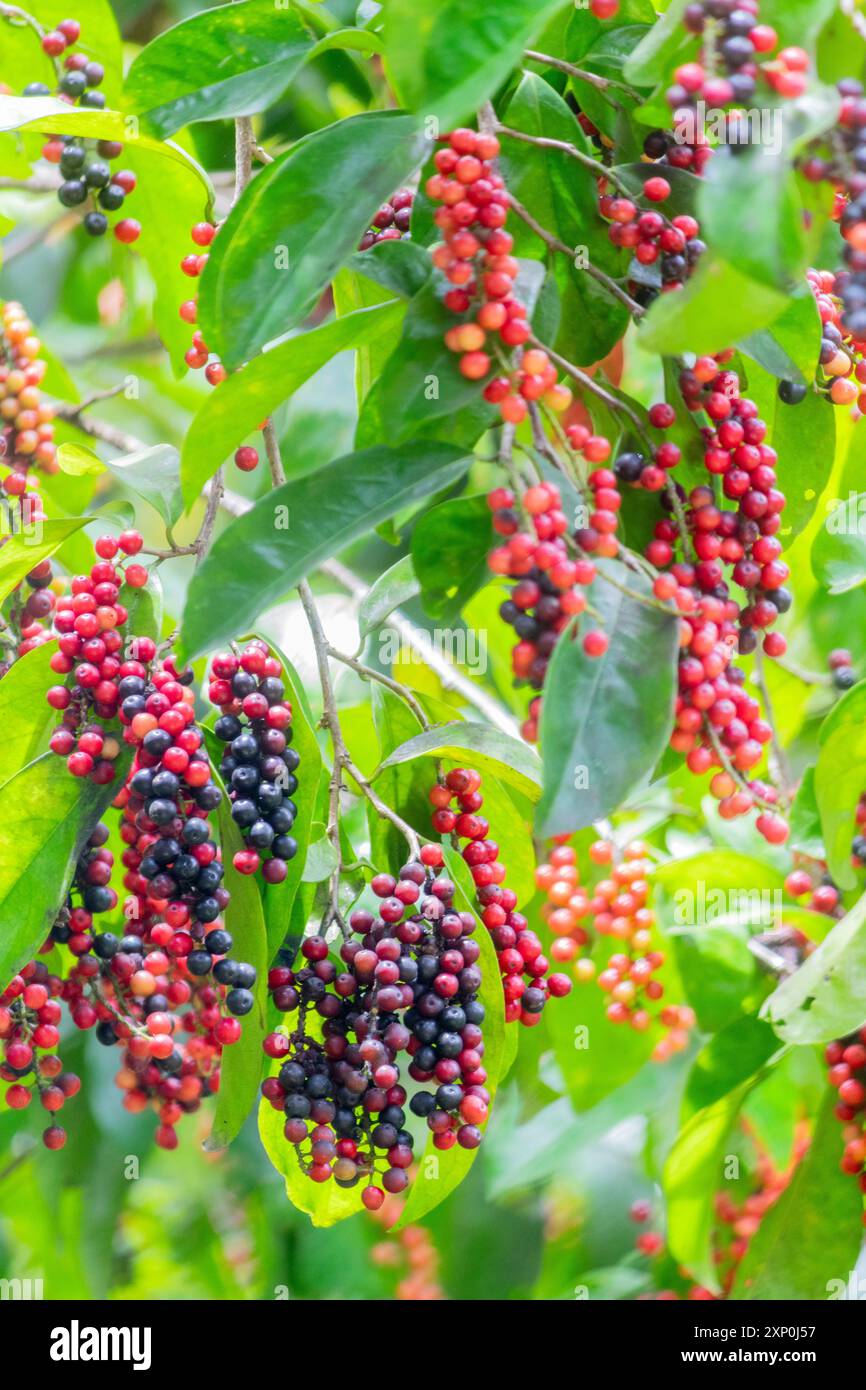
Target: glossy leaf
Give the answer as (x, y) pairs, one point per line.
(836, 793)
(810, 1239)
(750, 208)
(395, 587)
(449, 554)
(839, 549)
(491, 751)
(693, 1173)
(23, 706)
(444, 62)
(155, 475)
(233, 60)
(296, 224)
(24, 550)
(249, 396)
(651, 60)
(562, 198)
(46, 816)
(823, 999)
(605, 720)
(288, 533)
(727, 1060)
(719, 305)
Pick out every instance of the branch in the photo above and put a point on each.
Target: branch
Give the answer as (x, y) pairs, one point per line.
(331, 721)
(544, 142)
(589, 384)
(554, 243)
(580, 74)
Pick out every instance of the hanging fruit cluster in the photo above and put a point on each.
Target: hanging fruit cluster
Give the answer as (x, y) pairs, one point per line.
(616, 906)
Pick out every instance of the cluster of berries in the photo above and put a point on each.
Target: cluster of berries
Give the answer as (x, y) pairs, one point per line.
(717, 723)
(391, 222)
(88, 622)
(726, 71)
(29, 1018)
(839, 159)
(476, 261)
(523, 965)
(550, 580)
(615, 906)
(199, 354)
(597, 537)
(258, 766)
(672, 245)
(85, 165)
(26, 443)
(26, 429)
(841, 372)
(842, 671)
(409, 984)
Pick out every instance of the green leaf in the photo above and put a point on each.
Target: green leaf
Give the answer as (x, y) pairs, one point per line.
(789, 348)
(445, 61)
(727, 1060)
(605, 720)
(813, 1231)
(46, 816)
(391, 590)
(400, 266)
(823, 999)
(838, 778)
(243, 1062)
(718, 306)
(718, 971)
(797, 21)
(693, 1173)
(233, 60)
(804, 438)
(562, 197)
(249, 396)
(492, 752)
(839, 548)
(750, 207)
(288, 533)
(805, 818)
(153, 474)
(581, 31)
(24, 708)
(79, 461)
(24, 550)
(449, 554)
(296, 224)
(439, 1176)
